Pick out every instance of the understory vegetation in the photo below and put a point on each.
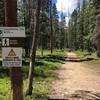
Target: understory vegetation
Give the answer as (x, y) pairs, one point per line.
(45, 73)
(89, 58)
(48, 32)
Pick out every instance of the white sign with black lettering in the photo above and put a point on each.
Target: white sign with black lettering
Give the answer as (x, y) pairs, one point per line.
(12, 32)
(12, 57)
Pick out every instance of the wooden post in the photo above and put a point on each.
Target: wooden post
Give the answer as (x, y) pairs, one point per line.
(16, 75)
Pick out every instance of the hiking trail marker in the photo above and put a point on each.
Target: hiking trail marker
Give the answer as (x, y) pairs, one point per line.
(12, 41)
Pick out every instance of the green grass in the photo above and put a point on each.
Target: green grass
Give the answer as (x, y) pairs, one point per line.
(46, 52)
(44, 75)
(55, 52)
(5, 89)
(93, 62)
(81, 54)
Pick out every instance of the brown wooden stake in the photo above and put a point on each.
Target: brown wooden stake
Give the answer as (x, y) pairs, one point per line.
(16, 75)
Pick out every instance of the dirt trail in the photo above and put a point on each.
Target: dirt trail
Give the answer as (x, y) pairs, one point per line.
(77, 81)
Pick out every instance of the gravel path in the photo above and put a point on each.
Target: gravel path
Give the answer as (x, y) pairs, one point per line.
(77, 81)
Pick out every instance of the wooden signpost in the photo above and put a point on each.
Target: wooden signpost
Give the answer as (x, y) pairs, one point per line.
(12, 51)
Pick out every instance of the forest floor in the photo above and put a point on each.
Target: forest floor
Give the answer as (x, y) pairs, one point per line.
(77, 81)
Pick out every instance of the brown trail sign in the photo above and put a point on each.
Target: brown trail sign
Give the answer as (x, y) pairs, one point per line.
(12, 42)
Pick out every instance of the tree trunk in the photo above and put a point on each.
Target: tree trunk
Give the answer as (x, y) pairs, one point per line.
(97, 38)
(51, 22)
(42, 44)
(98, 34)
(33, 50)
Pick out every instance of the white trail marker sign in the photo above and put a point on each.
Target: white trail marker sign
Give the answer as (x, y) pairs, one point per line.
(12, 57)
